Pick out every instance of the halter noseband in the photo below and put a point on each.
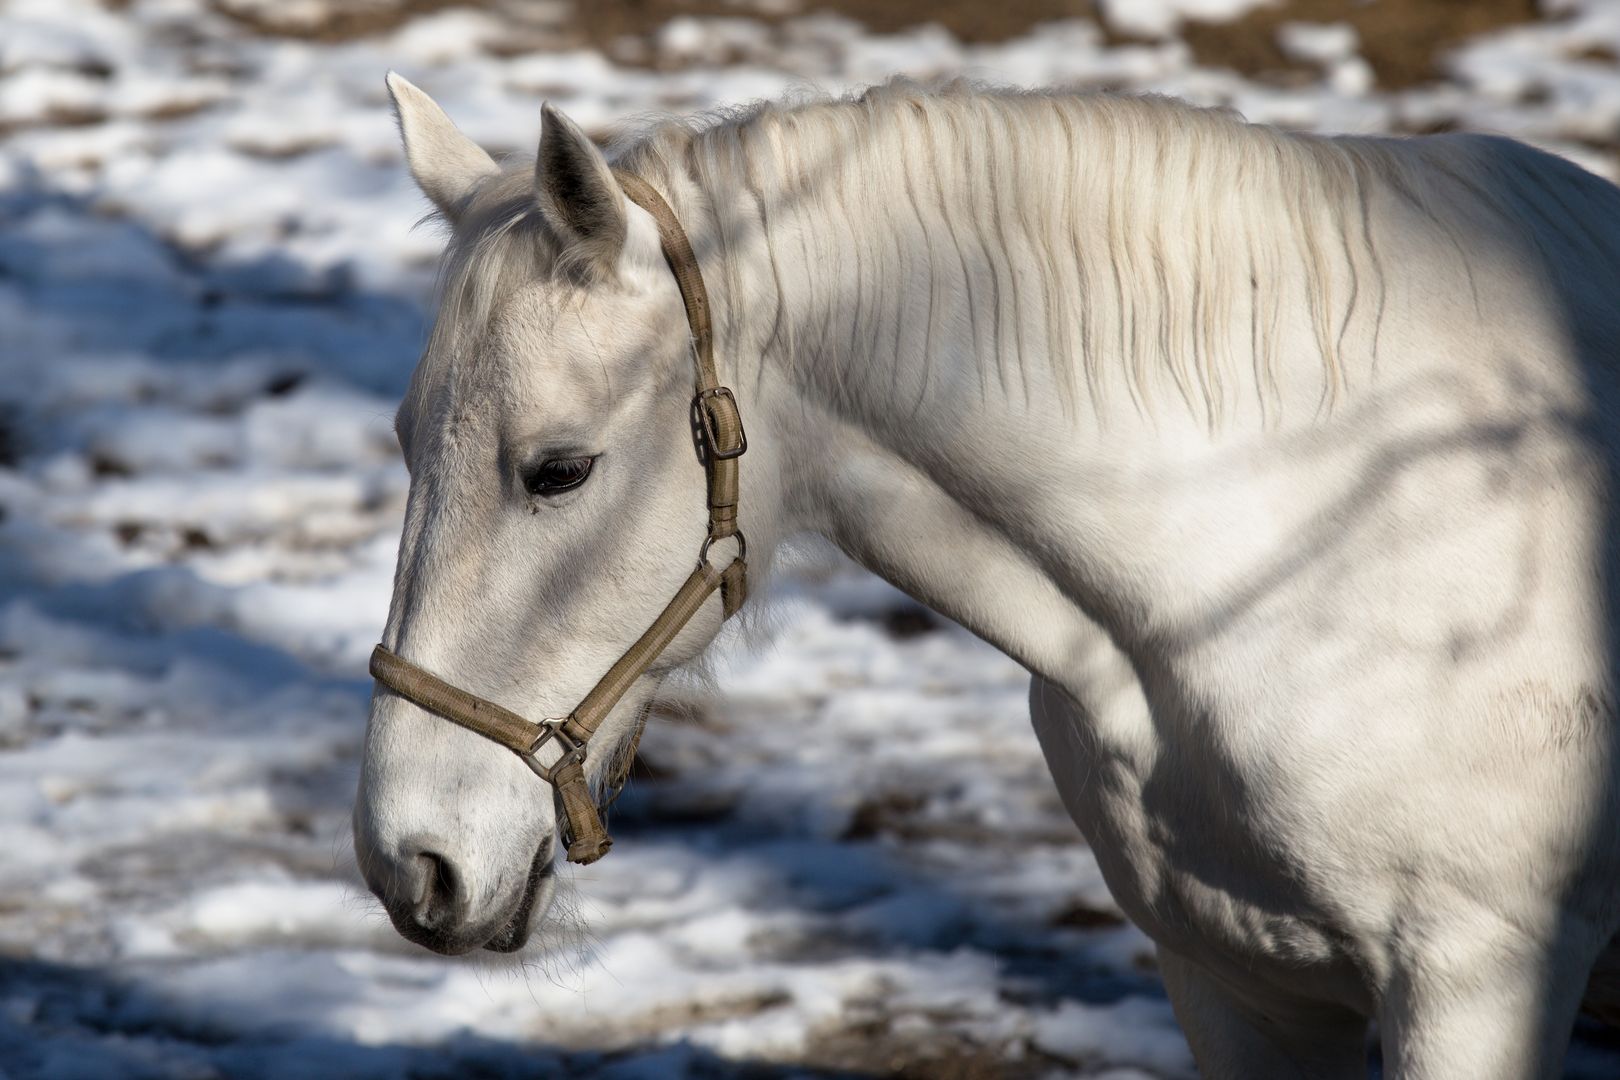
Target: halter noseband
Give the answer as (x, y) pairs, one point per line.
(718, 432)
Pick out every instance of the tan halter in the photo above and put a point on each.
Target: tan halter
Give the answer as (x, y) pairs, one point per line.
(718, 431)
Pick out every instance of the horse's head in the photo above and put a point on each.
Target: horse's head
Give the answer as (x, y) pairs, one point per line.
(556, 504)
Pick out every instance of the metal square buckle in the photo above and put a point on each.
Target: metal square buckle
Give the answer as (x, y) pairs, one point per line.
(707, 400)
(571, 751)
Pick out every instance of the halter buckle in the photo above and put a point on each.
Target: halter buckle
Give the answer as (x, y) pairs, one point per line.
(573, 751)
(710, 402)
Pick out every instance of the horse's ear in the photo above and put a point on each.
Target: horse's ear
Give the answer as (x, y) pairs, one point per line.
(578, 195)
(446, 165)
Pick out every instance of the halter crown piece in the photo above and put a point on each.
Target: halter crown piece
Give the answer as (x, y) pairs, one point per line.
(718, 432)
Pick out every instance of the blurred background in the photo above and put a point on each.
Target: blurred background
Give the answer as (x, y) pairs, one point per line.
(848, 861)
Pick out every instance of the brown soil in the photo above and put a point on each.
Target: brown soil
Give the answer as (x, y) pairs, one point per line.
(874, 1049)
(1082, 916)
(968, 20)
(603, 22)
(881, 814)
(1403, 41)
(343, 20)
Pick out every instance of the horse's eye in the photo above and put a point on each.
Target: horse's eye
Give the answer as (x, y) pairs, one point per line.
(557, 475)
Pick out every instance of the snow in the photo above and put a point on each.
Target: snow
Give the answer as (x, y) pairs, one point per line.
(1317, 43)
(211, 295)
(1161, 18)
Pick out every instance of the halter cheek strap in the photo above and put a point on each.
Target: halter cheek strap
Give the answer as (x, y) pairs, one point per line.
(718, 431)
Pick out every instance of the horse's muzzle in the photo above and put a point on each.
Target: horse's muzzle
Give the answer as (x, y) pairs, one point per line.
(428, 899)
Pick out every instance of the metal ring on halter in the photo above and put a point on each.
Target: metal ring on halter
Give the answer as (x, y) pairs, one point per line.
(571, 750)
(742, 546)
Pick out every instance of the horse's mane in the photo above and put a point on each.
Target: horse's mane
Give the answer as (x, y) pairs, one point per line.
(1127, 240)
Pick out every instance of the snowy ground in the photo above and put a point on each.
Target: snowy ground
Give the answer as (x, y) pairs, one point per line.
(210, 299)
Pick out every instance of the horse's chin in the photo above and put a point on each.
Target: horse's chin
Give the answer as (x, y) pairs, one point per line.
(538, 890)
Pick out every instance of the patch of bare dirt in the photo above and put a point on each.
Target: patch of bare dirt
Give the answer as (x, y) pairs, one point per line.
(890, 812)
(1083, 916)
(333, 20)
(1402, 41)
(686, 1014)
(968, 20)
(875, 1048)
(607, 23)
(900, 814)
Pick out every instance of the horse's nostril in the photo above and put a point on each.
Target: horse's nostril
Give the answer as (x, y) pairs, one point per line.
(438, 900)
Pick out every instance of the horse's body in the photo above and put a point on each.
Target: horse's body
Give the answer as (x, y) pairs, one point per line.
(1283, 464)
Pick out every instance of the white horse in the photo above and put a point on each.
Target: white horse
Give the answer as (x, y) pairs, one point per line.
(1283, 463)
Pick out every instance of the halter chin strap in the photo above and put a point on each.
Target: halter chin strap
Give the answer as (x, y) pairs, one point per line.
(718, 432)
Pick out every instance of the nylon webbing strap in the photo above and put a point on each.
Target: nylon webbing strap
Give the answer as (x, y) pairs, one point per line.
(590, 712)
(678, 253)
(588, 838)
(716, 408)
(432, 693)
(721, 441)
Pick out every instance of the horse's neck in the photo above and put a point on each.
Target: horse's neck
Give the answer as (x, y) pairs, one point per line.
(990, 481)
(967, 500)
(907, 352)
(972, 402)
